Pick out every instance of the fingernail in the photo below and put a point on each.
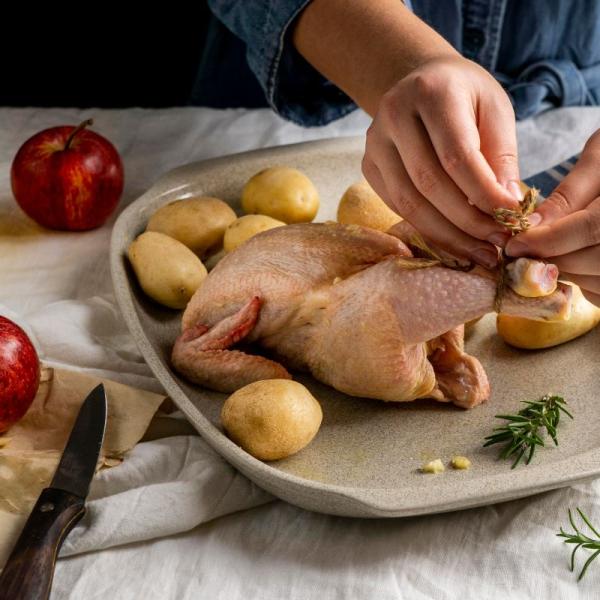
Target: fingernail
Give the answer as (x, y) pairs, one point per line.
(498, 239)
(516, 248)
(515, 189)
(534, 219)
(486, 257)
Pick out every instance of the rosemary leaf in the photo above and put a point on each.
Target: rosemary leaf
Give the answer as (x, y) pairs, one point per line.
(523, 432)
(581, 540)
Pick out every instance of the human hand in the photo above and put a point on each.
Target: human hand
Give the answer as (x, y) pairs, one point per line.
(567, 225)
(442, 153)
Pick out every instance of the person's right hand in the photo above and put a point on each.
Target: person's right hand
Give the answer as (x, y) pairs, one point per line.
(442, 153)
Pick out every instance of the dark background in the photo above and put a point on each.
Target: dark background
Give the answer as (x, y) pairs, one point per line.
(122, 55)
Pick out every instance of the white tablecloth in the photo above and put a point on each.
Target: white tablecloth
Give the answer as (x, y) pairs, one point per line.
(175, 521)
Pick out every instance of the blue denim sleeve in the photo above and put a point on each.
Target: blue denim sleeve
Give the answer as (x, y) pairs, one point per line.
(292, 87)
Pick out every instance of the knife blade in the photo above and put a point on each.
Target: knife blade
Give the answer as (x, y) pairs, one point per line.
(29, 570)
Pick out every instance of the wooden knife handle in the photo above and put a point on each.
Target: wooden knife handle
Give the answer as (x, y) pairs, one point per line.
(29, 570)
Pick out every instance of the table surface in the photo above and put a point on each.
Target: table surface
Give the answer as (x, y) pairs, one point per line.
(175, 521)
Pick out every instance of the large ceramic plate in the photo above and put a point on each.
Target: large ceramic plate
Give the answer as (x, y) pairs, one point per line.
(365, 459)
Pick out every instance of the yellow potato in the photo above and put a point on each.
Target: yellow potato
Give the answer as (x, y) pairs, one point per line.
(245, 227)
(198, 223)
(272, 419)
(167, 271)
(282, 193)
(360, 205)
(529, 334)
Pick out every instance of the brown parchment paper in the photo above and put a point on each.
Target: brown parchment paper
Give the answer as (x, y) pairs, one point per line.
(31, 449)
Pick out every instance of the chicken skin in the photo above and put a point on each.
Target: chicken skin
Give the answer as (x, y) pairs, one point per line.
(350, 305)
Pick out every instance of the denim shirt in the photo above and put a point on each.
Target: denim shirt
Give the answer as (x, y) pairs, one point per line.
(545, 53)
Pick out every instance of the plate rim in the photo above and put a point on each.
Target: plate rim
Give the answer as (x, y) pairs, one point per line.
(309, 493)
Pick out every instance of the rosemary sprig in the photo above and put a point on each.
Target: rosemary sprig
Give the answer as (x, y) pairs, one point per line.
(521, 433)
(581, 540)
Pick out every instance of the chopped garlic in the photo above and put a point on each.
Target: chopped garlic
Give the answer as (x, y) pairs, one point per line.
(460, 462)
(434, 466)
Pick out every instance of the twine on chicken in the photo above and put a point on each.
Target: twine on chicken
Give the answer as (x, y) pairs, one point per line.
(412, 263)
(515, 221)
(421, 249)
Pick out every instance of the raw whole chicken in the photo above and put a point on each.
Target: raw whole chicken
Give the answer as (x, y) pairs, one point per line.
(352, 306)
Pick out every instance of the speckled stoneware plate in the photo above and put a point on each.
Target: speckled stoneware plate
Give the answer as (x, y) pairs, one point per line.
(365, 459)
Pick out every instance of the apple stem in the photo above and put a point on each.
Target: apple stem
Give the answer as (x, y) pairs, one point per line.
(77, 129)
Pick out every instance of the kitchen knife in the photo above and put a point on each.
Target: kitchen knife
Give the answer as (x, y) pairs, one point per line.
(29, 570)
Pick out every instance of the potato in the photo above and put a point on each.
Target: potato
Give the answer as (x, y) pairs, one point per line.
(360, 205)
(272, 419)
(529, 334)
(245, 227)
(167, 271)
(198, 223)
(282, 193)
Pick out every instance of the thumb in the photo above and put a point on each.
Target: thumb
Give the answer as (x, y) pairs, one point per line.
(578, 189)
(498, 134)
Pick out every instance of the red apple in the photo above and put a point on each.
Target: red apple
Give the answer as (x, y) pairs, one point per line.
(19, 373)
(67, 177)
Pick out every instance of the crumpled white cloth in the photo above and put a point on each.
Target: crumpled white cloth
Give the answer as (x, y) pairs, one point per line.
(166, 486)
(175, 520)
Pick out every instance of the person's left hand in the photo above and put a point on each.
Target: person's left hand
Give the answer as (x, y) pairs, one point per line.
(566, 227)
